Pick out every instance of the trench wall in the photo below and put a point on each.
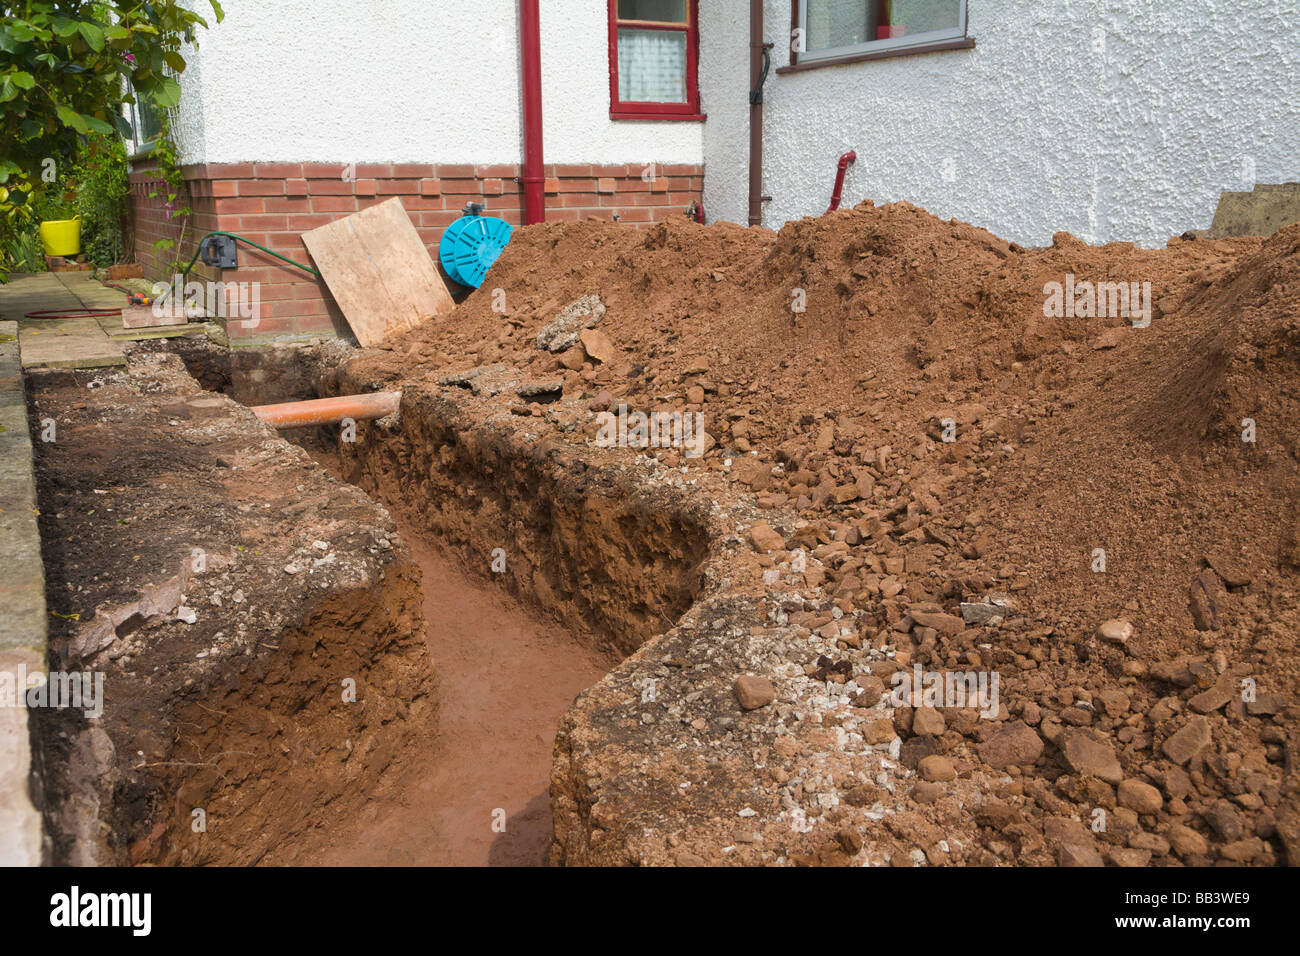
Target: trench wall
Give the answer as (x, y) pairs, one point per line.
(263, 690)
(601, 557)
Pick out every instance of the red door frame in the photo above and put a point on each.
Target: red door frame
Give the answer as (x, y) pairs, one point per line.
(690, 110)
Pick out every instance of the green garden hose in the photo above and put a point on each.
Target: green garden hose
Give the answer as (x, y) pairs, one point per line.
(251, 243)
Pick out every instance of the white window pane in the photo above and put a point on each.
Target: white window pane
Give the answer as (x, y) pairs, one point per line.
(652, 66)
(841, 23)
(833, 23)
(921, 16)
(660, 11)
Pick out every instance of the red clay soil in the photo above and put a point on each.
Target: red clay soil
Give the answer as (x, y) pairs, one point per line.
(1072, 434)
(506, 676)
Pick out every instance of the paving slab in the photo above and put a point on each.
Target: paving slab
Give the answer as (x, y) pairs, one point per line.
(68, 343)
(79, 290)
(28, 293)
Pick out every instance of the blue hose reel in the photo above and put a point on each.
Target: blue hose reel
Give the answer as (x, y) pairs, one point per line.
(471, 244)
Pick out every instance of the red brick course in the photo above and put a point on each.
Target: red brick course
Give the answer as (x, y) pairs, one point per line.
(274, 203)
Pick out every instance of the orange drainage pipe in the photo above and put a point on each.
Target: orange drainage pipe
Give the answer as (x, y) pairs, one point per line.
(329, 411)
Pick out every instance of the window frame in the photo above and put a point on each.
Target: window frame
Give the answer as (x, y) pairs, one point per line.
(956, 38)
(643, 110)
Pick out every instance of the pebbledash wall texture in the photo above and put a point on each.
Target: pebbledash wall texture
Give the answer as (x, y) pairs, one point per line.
(1116, 120)
(273, 204)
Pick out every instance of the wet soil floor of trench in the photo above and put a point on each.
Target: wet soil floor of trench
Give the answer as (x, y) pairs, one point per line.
(506, 676)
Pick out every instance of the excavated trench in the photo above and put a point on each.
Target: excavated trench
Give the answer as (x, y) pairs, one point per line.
(535, 577)
(535, 584)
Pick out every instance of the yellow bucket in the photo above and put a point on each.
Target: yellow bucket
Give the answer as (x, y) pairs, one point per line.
(61, 237)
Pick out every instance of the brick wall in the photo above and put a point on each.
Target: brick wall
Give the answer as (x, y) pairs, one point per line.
(152, 222)
(274, 203)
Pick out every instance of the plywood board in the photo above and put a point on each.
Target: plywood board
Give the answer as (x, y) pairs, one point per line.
(379, 271)
(67, 343)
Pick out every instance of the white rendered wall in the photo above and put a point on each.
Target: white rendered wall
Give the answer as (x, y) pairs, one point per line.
(407, 81)
(724, 97)
(575, 96)
(1127, 132)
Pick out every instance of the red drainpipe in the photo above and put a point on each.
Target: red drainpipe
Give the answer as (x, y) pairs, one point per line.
(530, 69)
(847, 160)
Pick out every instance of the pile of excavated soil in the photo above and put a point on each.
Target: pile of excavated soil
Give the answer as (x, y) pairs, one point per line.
(933, 437)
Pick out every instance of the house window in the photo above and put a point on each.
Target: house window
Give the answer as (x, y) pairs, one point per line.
(145, 119)
(653, 59)
(862, 29)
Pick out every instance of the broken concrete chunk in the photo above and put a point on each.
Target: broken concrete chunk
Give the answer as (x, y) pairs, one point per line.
(109, 623)
(1115, 632)
(991, 610)
(540, 388)
(484, 380)
(463, 379)
(562, 333)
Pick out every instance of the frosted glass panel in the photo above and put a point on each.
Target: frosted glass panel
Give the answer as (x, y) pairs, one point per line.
(651, 66)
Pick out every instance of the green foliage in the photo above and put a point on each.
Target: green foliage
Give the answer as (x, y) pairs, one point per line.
(66, 68)
(21, 249)
(102, 186)
(171, 190)
(24, 253)
(95, 190)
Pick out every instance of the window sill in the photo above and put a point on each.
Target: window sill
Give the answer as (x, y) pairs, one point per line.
(964, 43)
(679, 117)
(144, 152)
